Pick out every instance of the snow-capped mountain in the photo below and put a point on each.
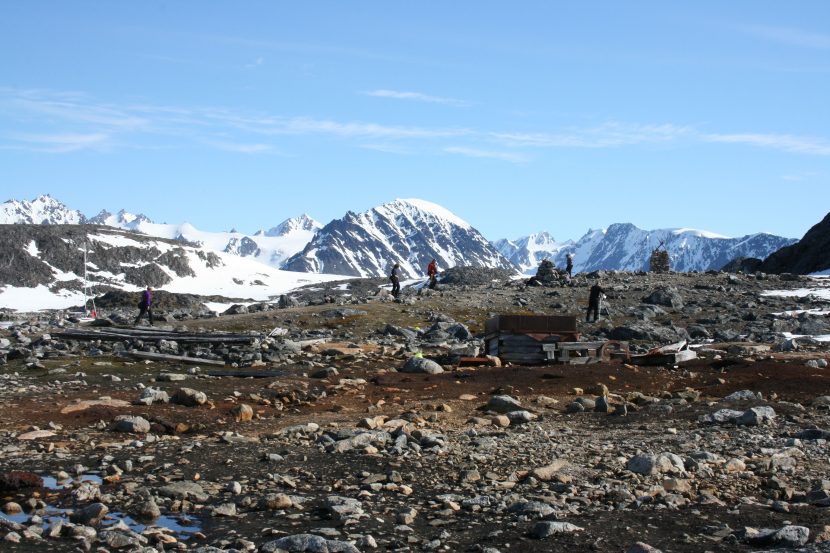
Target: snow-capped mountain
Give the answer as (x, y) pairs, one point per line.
(48, 268)
(625, 247)
(43, 210)
(409, 232)
(296, 226)
(122, 219)
(527, 252)
(271, 247)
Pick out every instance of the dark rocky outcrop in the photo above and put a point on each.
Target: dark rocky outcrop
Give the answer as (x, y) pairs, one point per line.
(809, 255)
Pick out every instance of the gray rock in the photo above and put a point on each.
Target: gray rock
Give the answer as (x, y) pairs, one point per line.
(184, 490)
(788, 536)
(343, 508)
(325, 372)
(421, 365)
(756, 416)
(520, 417)
(546, 529)
(641, 547)
(225, 510)
(130, 423)
(503, 404)
(90, 515)
(665, 295)
(189, 397)
(534, 509)
(744, 395)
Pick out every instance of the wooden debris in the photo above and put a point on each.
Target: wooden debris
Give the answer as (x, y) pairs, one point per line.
(175, 358)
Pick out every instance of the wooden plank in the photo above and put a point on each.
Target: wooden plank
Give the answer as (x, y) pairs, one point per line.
(178, 358)
(248, 374)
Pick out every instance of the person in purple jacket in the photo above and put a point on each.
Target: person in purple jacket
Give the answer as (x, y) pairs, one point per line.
(145, 305)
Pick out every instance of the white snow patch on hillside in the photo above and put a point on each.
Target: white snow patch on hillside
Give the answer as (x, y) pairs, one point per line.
(696, 232)
(238, 278)
(823, 293)
(35, 299)
(437, 210)
(32, 249)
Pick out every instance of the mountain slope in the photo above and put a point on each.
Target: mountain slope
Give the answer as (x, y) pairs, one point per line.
(625, 247)
(43, 210)
(42, 266)
(527, 252)
(811, 254)
(271, 247)
(409, 232)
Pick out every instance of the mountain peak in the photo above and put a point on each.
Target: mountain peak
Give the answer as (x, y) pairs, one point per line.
(408, 232)
(43, 210)
(301, 223)
(418, 207)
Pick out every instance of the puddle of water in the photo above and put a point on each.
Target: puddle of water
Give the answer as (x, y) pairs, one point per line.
(181, 526)
(51, 483)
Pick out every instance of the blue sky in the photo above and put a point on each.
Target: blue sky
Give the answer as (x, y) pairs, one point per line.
(519, 117)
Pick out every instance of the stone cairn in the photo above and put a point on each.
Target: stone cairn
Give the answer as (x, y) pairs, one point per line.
(659, 261)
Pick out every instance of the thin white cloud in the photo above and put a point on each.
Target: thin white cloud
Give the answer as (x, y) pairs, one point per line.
(387, 148)
(240, 148)
(782, 142)
(608, 135)
(65, 122)
(61, 143)
(75, 107)
(417, 97)
(474, 152)
(790, 36)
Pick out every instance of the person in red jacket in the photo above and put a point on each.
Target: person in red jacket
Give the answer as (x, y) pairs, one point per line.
(432, 273)
(145, 306)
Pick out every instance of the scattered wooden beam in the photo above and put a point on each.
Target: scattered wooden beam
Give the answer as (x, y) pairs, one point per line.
(175, 358)
(248, 374)
(115, 334)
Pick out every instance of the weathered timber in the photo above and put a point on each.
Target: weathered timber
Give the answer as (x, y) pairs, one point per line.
(248, 374)
(177, 358)
(116, 334)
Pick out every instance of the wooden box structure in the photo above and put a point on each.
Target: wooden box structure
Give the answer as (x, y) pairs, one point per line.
(524, 338)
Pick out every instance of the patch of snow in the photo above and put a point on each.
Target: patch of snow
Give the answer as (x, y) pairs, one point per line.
(40, 297)
(437, 210)
(32, 249)
(696, 232)
(823, 293)
(818, 338)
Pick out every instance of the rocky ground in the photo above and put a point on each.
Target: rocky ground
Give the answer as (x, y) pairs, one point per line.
(351, 428)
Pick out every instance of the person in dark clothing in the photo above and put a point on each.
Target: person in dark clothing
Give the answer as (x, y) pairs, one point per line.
(569, 264)
(594, 298)
(396, 282)
(145, 306)
(432, 273)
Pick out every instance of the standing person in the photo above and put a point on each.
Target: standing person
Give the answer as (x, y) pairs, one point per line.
(569, 264)
(145, 306)
(396, 282)
(432, 273)
(593, 301)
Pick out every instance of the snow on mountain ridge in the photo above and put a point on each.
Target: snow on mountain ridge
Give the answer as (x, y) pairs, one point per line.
(42, 210)
(623, 246)
(409, 232)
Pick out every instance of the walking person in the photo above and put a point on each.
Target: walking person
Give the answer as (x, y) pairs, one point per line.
(396, 281)
(594, 297)
(432, 273)
(145, 306)
(569, 264)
